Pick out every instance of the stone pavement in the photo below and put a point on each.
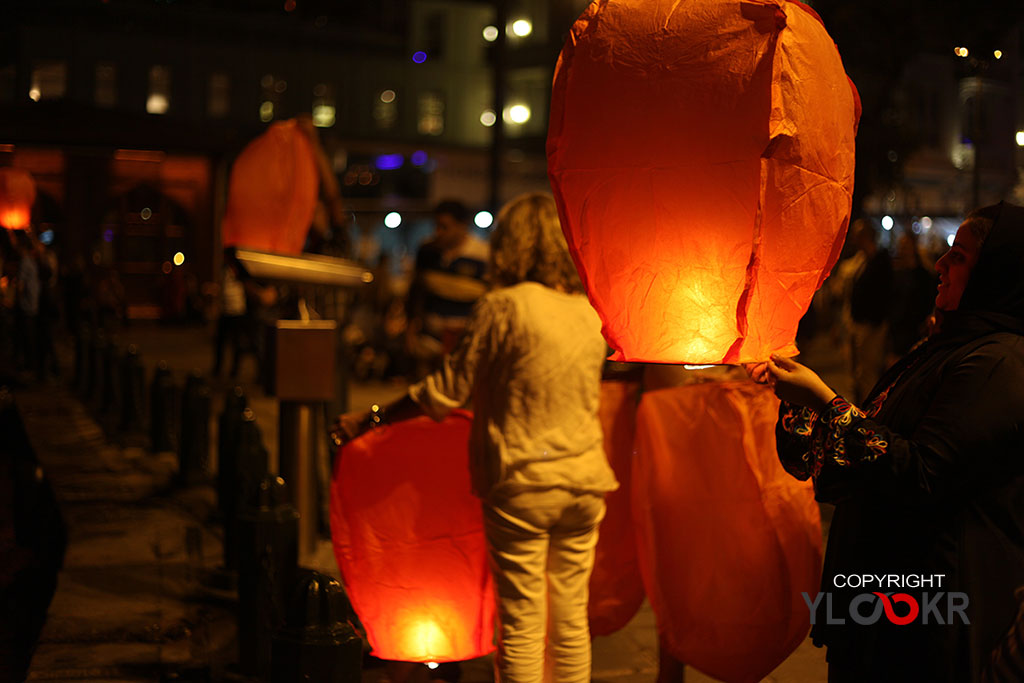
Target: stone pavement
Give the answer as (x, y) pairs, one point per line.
(137, 600)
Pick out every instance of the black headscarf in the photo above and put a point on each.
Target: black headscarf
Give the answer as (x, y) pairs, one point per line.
(994, 296)
(993, 300)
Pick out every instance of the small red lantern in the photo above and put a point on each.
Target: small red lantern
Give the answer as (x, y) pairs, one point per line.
(17, 195)
(272, 193)
(409, 540)
(702, 154)
(616, 591)
(727, 540)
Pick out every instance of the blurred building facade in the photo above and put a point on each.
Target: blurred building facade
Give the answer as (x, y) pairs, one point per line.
(962, 114)
(129, 112)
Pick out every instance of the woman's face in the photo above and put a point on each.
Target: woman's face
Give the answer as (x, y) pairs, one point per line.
(954, 268)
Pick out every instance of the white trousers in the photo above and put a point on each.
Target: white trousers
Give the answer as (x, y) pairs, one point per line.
(541, 546)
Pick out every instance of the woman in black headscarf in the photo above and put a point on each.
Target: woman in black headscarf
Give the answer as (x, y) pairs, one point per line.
(927, 477)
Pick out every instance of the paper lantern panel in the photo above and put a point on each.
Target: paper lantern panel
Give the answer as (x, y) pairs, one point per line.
(272, 193)
(408, 536)
(616, 591)
(727, 541)
(701, 155)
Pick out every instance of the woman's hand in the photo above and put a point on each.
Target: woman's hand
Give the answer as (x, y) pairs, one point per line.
(349, 426)
(793, 382)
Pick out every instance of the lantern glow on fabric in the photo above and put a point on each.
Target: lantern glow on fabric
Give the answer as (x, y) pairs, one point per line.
(701, 155)
(17, 195)
(272, 192)
(409, 540)
(726, 539)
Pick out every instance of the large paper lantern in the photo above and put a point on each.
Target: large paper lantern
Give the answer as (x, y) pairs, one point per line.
(272, 193)
(701, 155)
(727, 540)
(616, 591)
(17, 194)
(408, 536)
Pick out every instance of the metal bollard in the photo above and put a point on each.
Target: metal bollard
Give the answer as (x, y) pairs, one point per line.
(268, 541)
(194, 447)
(82, 341)
(250, 465)
(228, 427)
(94, 359)
(163, 408)
(133, 388)
(110, 394)
(317, 643)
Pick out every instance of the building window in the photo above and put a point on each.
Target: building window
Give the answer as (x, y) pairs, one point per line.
(271, 89)
(385, 109)
(430, 118)
(105, 94)
(323, 106)
(218, 96)
(49, 81)
(159, 100)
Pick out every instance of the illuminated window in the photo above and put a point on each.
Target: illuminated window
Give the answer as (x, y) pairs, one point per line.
(105, 94)
(49, 81)
(430, 110)
(271, 88)
(323, 106)
(159, 100)
(218, 100)
(385, 109)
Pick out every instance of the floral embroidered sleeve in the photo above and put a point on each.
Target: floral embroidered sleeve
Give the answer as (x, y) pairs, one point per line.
(794, 434)
(841, 437)
(960, 437)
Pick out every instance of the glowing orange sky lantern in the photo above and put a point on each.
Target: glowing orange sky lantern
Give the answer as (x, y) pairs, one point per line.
(17, 195)
(408, 536)
(272, 193)
(727, 541)
(702, 154)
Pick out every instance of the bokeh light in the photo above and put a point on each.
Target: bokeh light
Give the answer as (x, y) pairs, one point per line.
(179, 258)
(488, 118)
(419, 57)
(393, 220)
(887, 222)
(517, 113)
(522, 27)
(483, 219)
(490, 33)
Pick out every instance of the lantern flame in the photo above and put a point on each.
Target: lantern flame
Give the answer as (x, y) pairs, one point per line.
(426, 641)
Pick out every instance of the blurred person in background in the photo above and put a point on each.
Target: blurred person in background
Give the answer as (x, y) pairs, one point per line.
(870, 297)
(231, 322)
(913, 298)
(448, 278)
(26, 305)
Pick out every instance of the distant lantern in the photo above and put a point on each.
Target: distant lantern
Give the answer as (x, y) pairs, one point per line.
(272, 193)
(409, 540)
(702, 158)
(17, 194)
